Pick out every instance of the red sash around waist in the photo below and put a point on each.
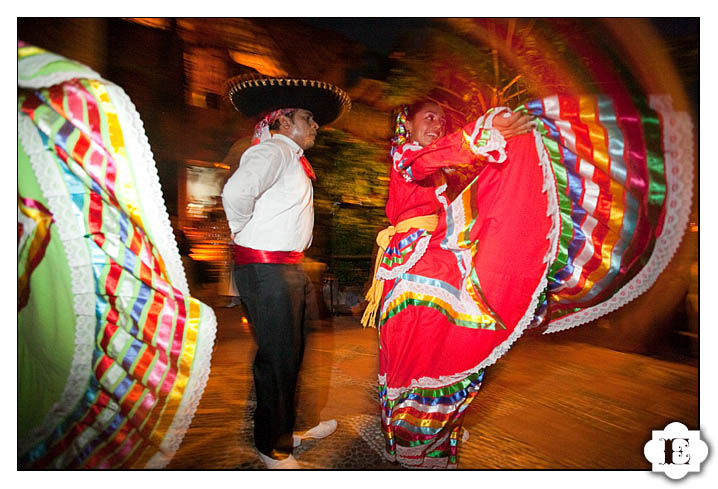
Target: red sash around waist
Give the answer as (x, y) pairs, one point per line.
(244, 256)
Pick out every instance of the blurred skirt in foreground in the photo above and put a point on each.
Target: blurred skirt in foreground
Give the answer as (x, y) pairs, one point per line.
(113, 353)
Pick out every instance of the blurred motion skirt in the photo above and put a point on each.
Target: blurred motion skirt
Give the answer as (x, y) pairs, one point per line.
(113, 353)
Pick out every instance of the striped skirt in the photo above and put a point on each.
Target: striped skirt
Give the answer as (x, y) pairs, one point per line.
(580, 219)
(113, 352)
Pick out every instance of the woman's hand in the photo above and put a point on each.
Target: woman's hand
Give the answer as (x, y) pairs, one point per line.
(514, 125)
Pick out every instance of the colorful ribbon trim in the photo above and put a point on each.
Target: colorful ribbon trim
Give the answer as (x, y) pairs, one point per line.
(383, 239)
(423, 425)
(610, 176)
(33, 238)
(146, 332)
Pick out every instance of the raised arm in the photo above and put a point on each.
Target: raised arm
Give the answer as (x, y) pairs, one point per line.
(482, 139)
(415, 163)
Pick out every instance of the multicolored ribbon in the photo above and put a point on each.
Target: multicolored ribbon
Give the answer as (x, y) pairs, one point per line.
(611, 186)
(33, 236)
(423, 426)
(149, 342)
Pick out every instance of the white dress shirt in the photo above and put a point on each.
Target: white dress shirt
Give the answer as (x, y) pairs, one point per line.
(268, 200)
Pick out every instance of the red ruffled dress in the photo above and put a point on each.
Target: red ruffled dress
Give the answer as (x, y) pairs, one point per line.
(558, 228)
(449, 296)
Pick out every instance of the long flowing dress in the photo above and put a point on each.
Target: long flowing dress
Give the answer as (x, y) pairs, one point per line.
(559, 227)
(113, 352)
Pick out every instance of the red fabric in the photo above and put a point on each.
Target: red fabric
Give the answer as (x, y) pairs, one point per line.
(417, 198)
(244, 256)
(307, 167)
(420, 341)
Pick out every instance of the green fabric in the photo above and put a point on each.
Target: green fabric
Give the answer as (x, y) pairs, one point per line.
(46, 326)
(54, 64)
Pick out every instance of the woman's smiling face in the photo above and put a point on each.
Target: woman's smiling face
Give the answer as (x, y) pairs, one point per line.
(427, 124)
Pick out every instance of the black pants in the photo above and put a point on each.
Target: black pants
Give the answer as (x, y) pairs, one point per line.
(275, 296)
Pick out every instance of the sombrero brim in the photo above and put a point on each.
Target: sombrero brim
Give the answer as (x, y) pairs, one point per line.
(254, 97)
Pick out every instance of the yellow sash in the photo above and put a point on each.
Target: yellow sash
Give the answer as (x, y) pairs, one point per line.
(383, 239)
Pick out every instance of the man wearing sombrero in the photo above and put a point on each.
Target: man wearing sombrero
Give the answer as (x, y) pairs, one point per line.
(269, 207)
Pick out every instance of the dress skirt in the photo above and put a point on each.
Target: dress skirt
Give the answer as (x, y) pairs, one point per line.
(581, 213)
(113, 352)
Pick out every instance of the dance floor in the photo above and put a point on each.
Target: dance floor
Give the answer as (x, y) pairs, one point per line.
(549, 403)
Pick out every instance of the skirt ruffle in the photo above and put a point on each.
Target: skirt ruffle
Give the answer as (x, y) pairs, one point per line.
(579, 220)
(113, 352)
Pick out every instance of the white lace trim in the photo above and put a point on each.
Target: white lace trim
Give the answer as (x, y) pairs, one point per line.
(496, 140)
(421, 245)
(439, 193)
(81, 277)
(29, 66)
(678, 151)
(138, 150)
(425, 463)
(463, 304)
(147, 181)
(149, 190)
(194, 391)
(398, 157)
(552, 210)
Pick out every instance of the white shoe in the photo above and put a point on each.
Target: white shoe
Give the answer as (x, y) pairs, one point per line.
(322, 430)
(272, 463)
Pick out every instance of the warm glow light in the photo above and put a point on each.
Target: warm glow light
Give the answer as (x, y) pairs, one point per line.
(161, 23)
(208, 252)
(244, 320)
(265, 64)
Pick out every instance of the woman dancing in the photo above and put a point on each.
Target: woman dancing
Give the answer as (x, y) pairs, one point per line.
(553, 226)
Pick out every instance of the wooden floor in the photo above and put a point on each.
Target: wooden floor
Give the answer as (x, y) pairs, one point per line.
(547, 404)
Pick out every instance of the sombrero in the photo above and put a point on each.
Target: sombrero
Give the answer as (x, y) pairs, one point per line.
(255, 95)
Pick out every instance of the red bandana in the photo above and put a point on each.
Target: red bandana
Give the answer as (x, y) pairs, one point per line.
(261, 132)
